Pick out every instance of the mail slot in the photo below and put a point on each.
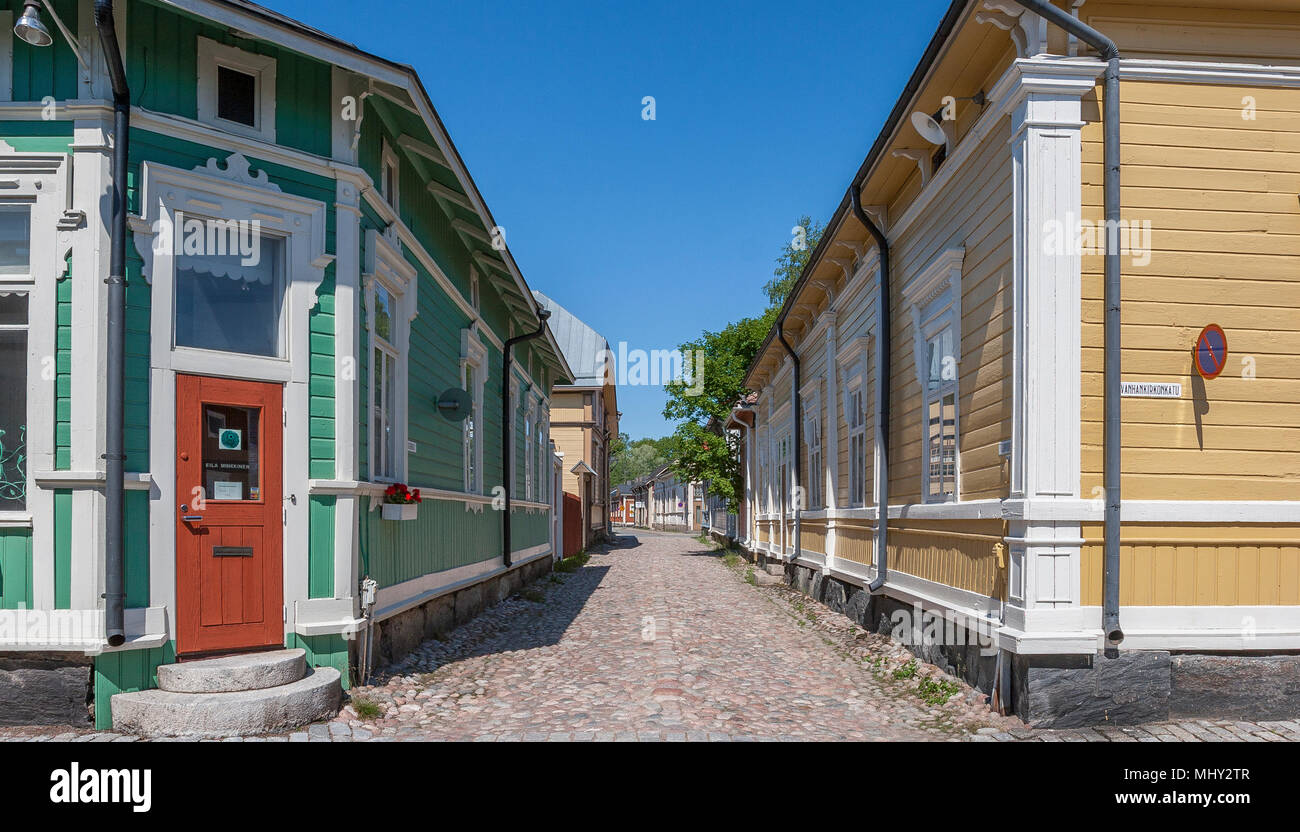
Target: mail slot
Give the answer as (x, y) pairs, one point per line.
(232, 551)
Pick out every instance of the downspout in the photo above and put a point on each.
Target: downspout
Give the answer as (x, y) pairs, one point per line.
(884, 317)
(798, 444)
(1111, 324)
(114, 458)
(506, 439)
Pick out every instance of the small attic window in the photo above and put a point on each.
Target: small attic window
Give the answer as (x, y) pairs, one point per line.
(391, 176)
(236, 90)
(236, 96)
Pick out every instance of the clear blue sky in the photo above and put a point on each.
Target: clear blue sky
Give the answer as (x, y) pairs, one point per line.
(650, 231)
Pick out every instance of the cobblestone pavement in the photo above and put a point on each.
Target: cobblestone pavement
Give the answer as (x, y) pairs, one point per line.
(662, 639)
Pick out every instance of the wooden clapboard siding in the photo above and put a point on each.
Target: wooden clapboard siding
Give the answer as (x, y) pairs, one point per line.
(1198, 565)
(1220, 193)
(974, 211)
(1196, 31)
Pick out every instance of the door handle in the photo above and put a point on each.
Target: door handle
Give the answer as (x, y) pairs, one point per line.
(192, 518)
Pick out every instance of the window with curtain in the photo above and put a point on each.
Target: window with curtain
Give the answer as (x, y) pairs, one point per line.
(232, 302)
(857, 448)
(941, 416)
(384, 387)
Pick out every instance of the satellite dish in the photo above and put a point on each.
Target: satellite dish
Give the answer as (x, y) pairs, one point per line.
(929, 129)
(455, 404)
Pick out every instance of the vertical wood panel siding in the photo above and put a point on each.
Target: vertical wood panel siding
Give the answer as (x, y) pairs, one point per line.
(320, 547)
(329, 650)
(124, 672)
(15, 569)
(955, 561)
(162, 62)
(40, 71)
(1199, 565)
(1220, 193)
(853, 542)
(62, 549)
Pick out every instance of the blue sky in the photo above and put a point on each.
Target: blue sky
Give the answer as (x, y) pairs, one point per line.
(650, 231)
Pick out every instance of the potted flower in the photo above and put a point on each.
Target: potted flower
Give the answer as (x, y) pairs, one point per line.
(400, 502)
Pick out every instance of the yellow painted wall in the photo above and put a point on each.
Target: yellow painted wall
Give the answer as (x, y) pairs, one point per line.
(1199, 565)
(1220, 192)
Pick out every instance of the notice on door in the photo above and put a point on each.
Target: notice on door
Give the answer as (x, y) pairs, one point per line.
(1151, 390)
(227, 491)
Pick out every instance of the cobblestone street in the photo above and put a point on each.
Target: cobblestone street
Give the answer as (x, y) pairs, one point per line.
(662, 639)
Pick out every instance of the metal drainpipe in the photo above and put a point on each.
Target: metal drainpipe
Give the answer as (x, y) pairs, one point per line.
(114, 457)
(798, 443)
(884, 316)
(506, 438)
(1111, 326)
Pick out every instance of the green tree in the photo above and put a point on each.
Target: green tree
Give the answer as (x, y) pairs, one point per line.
(794, 256)
(701, 404)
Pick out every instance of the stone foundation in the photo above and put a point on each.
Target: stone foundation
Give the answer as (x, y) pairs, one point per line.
(45, 689)
(400, 634)
(1079, 691)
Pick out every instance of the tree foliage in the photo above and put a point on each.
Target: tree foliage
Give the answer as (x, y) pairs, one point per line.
(700, 406)
(630, 459)
(794, 256)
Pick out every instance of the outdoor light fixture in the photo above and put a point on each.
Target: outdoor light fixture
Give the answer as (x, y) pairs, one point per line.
(30, 28)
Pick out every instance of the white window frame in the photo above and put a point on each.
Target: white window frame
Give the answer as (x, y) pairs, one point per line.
(212, 55)
(529, 416)
(851, 362)
(473, 355)
(933, 299)
(390, 160)
(814, 484)
(387, 267)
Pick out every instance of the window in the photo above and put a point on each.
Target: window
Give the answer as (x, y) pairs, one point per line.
(783, 472)
(539, 448)
(223, 304)
(236, 96)
(391, 301)
(390, 176)
(474, 298)
(236, 90)
(857, 447)
(15, 240)
(528, 452)
(941, 418)
(473, 358)
(384, 387)
(934, 297)
(13, 404)
(813, 440)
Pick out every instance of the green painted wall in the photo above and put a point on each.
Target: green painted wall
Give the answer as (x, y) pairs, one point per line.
(126, 671)
(324, 651)
(162, 64)
(320, 547)
(62, 549)
(40, 71)
(15, 569)
(444, 536)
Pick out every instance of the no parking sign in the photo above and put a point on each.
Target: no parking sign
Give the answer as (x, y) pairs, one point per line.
(1211, 353)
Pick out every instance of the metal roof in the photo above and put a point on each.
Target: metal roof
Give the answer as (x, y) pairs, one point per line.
(584, 348)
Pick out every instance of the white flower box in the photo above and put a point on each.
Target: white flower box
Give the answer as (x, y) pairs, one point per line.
(401, 511)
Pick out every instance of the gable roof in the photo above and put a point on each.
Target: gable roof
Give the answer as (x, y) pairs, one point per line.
(582, 346)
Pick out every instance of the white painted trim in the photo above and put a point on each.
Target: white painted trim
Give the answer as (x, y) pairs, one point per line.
(212, 55)
(385, 264)
(1209, 72)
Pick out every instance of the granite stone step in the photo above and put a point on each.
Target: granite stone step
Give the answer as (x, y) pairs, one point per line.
(247, 671)
(165, 713)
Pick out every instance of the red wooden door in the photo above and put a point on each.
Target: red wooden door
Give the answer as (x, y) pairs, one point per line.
(572, 525)
(229, 563)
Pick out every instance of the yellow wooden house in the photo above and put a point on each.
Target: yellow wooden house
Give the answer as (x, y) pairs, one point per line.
(946, 350)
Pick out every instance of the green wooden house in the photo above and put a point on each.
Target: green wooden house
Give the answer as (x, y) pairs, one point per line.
(310, 271)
